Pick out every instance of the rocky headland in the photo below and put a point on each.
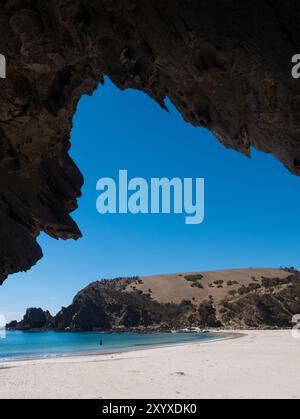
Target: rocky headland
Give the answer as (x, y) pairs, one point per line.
(129, 304)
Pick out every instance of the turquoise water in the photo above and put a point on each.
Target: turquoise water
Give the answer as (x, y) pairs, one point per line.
(18, 345)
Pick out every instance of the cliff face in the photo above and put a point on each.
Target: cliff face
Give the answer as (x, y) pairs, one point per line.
(106, 306)
(226, 66)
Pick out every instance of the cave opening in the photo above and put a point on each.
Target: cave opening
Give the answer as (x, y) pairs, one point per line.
(249, 217)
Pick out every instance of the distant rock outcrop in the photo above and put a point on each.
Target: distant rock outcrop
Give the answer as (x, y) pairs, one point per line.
(34, 318)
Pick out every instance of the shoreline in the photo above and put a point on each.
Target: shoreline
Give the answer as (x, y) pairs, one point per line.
(121, 350)
(262, 365)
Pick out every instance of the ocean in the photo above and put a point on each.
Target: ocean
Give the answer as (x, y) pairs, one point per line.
(23, 345)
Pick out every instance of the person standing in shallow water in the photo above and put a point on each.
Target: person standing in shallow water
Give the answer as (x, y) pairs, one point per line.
(101, 343)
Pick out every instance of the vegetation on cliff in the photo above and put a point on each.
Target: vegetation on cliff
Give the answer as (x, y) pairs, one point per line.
(129, 304)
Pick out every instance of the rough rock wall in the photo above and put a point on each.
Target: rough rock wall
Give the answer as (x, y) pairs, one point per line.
(226, 65)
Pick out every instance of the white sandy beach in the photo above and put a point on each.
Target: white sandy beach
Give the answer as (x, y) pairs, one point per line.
(262, 364)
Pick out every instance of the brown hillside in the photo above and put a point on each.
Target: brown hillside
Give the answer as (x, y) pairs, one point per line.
(175, 287)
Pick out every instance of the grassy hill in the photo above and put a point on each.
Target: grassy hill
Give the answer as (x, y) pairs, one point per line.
(174, 288)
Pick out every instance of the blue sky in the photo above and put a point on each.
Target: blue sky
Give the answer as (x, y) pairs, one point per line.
(252, 205)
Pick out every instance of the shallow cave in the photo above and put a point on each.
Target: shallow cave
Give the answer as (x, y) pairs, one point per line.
(226, 66)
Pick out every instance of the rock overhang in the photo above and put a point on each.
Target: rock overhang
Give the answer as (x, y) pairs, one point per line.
(226, 66)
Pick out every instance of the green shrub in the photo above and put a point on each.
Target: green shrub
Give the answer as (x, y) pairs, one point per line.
(197, 285)
(219, 282)
(194, 278)
(186, 303)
